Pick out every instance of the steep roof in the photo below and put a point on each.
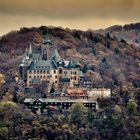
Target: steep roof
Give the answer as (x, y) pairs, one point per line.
(24, 62)
(71, 65)
(41, 65)
(47, 40)
(55, 56)
(30, 49)
(36, 56)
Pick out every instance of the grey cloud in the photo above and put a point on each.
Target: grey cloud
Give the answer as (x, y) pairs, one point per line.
(70, 9)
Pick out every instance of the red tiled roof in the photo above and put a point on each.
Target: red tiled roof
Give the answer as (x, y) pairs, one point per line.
(78, 92)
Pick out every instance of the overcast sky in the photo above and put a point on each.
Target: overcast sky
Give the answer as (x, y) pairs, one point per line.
(80, 14)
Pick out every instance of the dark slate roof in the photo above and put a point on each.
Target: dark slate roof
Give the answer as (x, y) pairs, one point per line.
(64, 79)
(55, 56)
(67, 64)
(36, 56)
(71, 65)
(41, 65)
(24, 62)
(47, 40)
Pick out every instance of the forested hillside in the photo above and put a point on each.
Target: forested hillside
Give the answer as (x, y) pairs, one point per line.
(111, 63)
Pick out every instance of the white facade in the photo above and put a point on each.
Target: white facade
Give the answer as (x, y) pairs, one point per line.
(99, 93)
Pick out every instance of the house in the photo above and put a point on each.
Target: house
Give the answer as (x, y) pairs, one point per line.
(96, 93)
(43, 103)
(76, 92)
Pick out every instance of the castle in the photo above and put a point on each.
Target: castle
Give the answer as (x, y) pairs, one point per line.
(47, 65)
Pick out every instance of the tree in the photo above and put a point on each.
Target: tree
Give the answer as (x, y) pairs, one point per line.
(52, 89)
(90, 116)
(108, 35)
(117, 51)
(94, 51)
(77, 35)
(3, 133)
(104, 60)
(78, 114)
(85, 68)
(131, 106)
(2, 79)
(117, 109)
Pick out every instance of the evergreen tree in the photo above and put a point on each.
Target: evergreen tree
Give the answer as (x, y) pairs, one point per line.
(116, 50)
(85, 68)
(52, 89)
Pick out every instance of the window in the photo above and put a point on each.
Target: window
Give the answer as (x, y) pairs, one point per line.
(34, 77)
(56, 82)
(40, 71)
(34, 71)
(30, 77)
(55, 77)
(37, 71)
(44, 71)
(48, 71)
(44, 77)
(60, 71)
(40, 76)
(54, 71)
(75, 73)
(30, 71)
(37, 76)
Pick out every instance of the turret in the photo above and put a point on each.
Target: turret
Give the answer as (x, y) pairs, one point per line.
(30, 50)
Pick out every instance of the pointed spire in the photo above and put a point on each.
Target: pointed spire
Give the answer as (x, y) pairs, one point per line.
(46, 38)
(26, 52)
(30, 49)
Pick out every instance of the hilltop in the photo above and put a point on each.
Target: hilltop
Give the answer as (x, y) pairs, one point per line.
(128, 32)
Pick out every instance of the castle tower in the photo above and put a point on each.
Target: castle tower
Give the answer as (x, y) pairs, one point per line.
(46, 48)
(23, 68)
